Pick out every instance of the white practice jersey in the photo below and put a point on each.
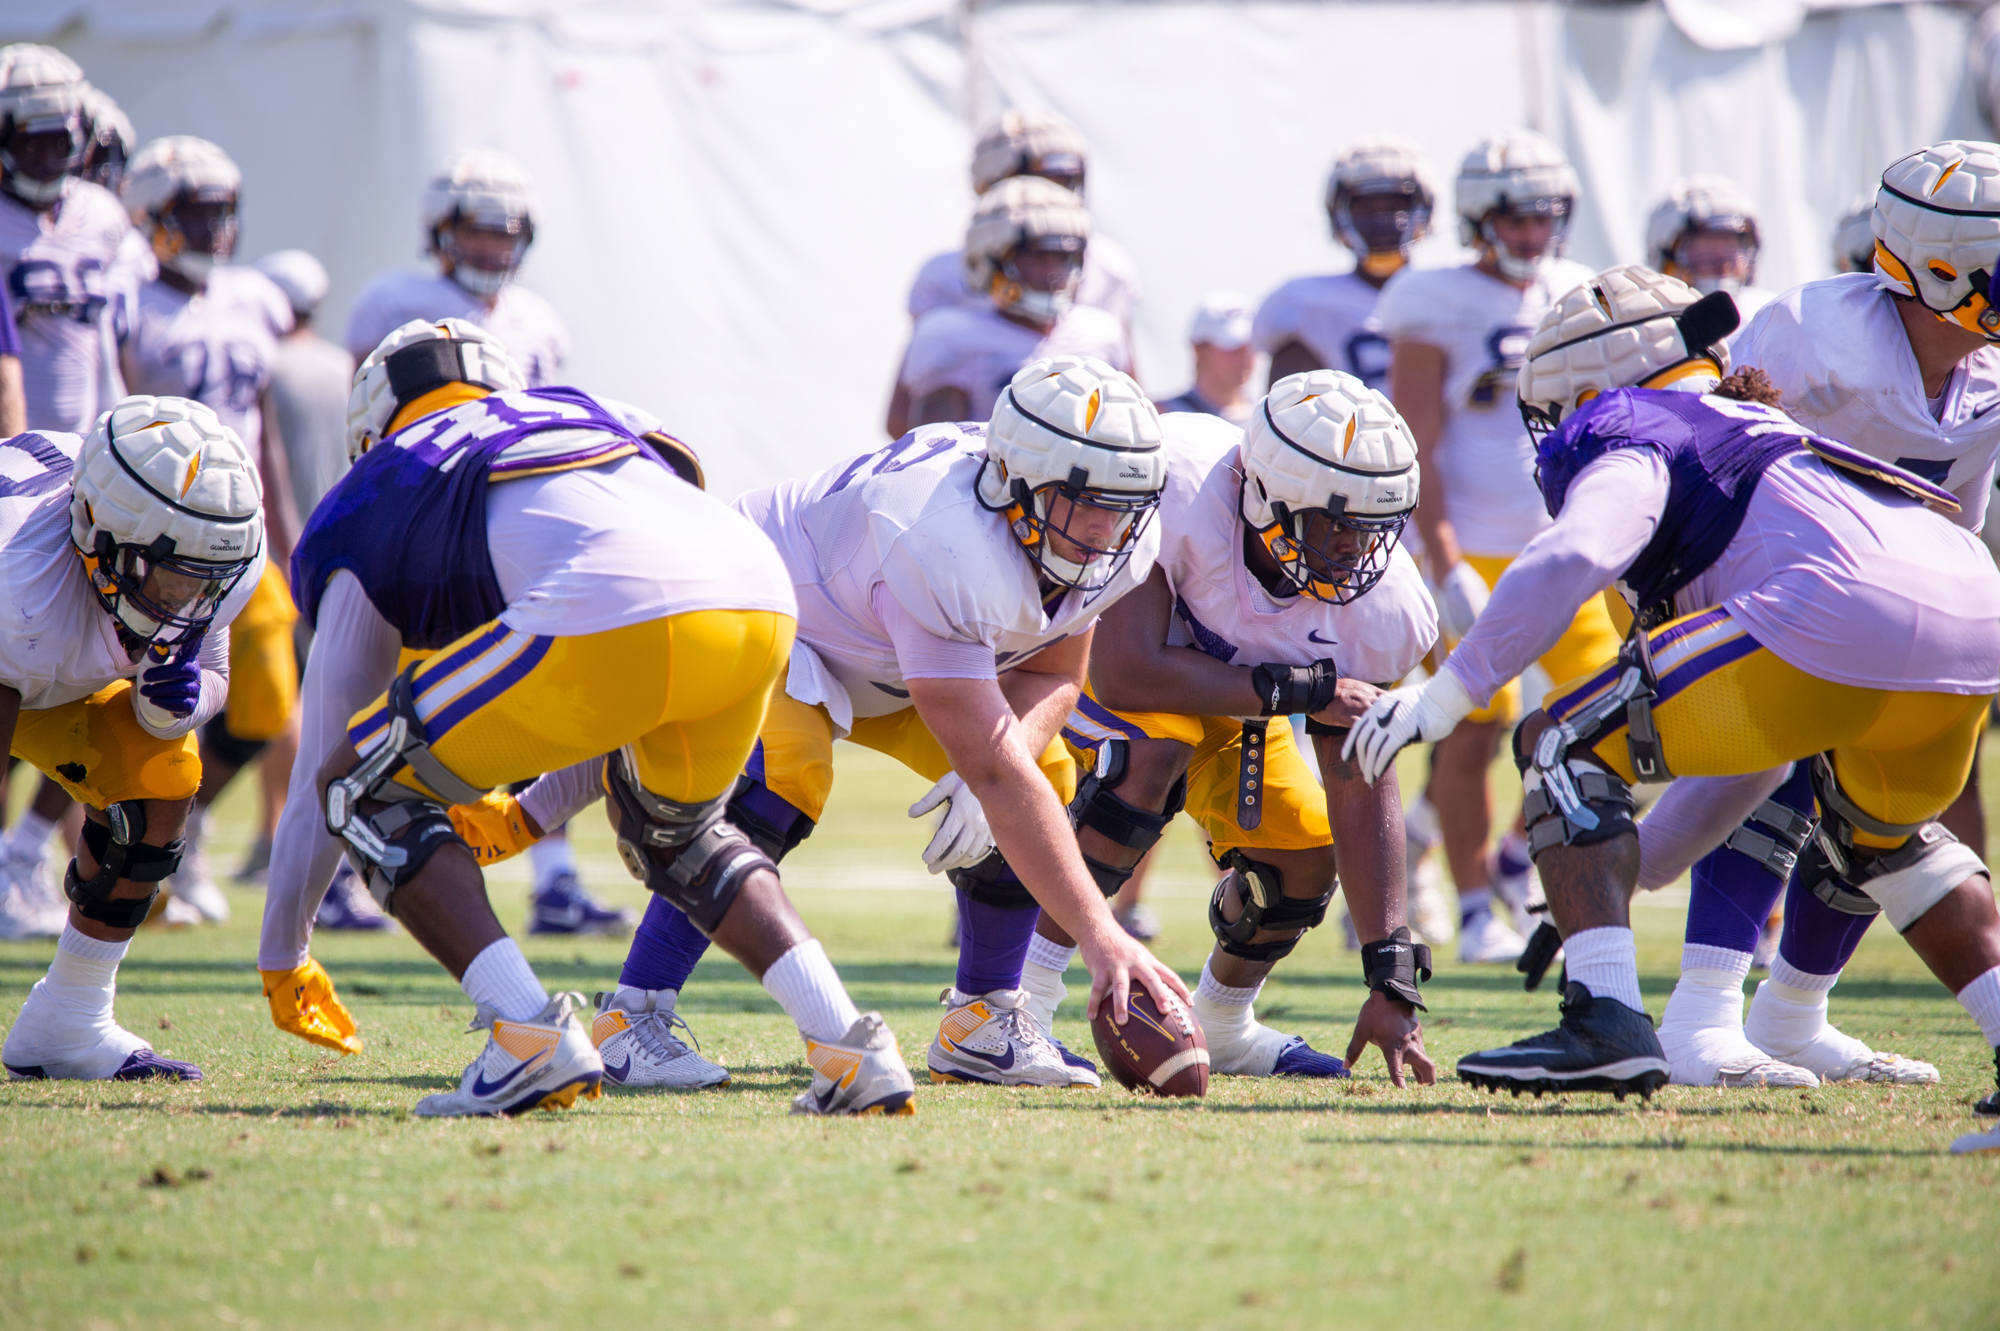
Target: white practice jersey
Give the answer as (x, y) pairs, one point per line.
(1750, 301)
(57, 642)
(526, 325)
(1109, 282)
(977, 350)
(1484, 463)
(1332, 317)
(904, 523)
(62, 269)
(217, 346)
(1221, 608)
(1837, 350)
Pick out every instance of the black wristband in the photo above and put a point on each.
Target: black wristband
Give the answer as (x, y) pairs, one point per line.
(1394, 966)
(1285, 690)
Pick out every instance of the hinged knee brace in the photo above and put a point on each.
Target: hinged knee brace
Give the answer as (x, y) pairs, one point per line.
(1261, 888)
(689, 853)
(1098, 807)
(1789, 831)
(1566, 801)
(120, 854)
(1904, 882)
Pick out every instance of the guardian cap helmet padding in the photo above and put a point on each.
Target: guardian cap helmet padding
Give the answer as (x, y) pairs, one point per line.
(489, 189)
(1627, 327)
(1330, 480)
(184, 169)
(167, 512)
(1068, 433)
(1019, 214)
(1372, 169)
(41, 94)
(415, 359)
(1028, 143)
(1695, 205)
(1519, 173)
(1937, 232)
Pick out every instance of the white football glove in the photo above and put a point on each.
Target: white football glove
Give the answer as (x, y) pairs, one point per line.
(961, 837)
(1462, 594)
(1404, 716)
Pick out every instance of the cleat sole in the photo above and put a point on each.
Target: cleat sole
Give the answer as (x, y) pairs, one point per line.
(1641, 1083)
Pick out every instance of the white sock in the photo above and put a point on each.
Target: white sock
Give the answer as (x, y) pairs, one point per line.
(1790, 977)
(1044, 952)
(1981, 998)
(1704, 1000)
(1237, 1042)
(550, 856)
(808, 989)
(84, 973)
(500, 978)
(1702, 957)
(1473, 900)
(28, 837)
(1606, 962)
(1045, 990)
(67, 1019)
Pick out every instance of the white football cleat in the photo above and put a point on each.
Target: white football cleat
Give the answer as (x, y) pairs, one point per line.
(1431, 915)
(31, 904)
(51, 1041)
(1972, 1143)
(1487, 939)
(543, 1063)
(1722, 1057)
(861, 1073)
(634, 1035)
(992, 1038)
(1801, 1035)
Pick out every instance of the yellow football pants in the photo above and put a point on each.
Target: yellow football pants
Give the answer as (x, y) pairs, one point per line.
(1590, 640)
(794, 757)
(1729, 706)
(263, 664)
(95, 749)
(687, 692)
(1294, 804)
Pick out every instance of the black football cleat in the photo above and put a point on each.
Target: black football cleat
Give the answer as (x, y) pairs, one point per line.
(1601, 1045)
(1991, 1104)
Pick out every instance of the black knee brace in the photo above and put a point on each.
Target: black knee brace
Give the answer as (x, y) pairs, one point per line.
(1566, 801)
(1773, 835)
(689, 853)
(1098, 807)
(992, 882)
(769, 820)
(1265, 906)
(119, 854)
(227, 747)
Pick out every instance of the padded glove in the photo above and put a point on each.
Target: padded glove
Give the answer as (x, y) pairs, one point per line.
(495, 828)
(1404, 716)
(962, 838)
(173, 685)
(303, 1002)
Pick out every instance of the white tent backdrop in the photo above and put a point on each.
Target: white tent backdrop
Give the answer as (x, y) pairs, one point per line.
(737, 194)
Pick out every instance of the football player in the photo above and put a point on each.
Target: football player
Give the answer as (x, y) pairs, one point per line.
(1774, 574)
(112, 139)
(1705, 233)
(126, 555)
(1897, 362)
(1025, 250)
(948, 589)
(1379, 199)
(1224, 359)
(208, 330)
(560, 586)
(1280, 590)
(1854, 237)
(1456, 336)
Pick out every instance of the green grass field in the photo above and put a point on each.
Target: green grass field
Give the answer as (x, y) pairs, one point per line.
(292, 1189)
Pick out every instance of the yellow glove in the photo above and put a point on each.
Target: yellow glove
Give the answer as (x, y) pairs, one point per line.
(495, 828)
(303, 1002)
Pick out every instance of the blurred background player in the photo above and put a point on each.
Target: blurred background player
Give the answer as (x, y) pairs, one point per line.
(1854, 237)
(112, 139)
(1021, 143)
(1705, 233)
(1224, 360)
(479, 220)
(116, 602)
(1379, 200)
(1456, 338)
(208, 330)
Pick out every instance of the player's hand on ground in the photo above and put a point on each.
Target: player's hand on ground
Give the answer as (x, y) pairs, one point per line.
(1118, 962)
(303, 1002)
(496, 828)
(1351, 700)
(1403, 716)
(962, 838)
(1391, 1025)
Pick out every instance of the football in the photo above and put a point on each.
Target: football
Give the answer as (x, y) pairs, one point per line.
(1164, 1053)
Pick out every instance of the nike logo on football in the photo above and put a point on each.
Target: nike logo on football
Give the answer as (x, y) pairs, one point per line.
(1001, 1061)
(1312, 635)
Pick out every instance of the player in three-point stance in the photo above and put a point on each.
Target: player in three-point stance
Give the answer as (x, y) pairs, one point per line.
(121, 564)
(948, 586)
(1794, 600)
(1280, 589)
(571, 597)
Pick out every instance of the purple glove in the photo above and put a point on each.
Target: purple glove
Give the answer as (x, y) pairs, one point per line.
(174, 685)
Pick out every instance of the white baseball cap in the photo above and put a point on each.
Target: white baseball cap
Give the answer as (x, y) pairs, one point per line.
(299, 276)
(1223, 321)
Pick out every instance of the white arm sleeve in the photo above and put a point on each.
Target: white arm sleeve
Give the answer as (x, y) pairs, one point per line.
(1609, 513)
(353, 659)
(1693, 816)
(556, 797)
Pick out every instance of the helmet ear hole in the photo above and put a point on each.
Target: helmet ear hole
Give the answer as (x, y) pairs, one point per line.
(1709, 320)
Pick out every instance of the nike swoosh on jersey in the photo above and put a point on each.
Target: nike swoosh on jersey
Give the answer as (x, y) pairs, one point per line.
(1312, 635)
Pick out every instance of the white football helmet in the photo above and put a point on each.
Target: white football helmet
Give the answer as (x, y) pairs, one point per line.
(1519, 173)
(1705, 206)
(412, 361)
(1330, 480)
(1854, 237)
(181, 192)
(1026, 213)
(300, 276)
(1381, 239)
(42, 136)
(1628, 327)
(168, 514)
(1937, 232)
(112, 139)
(1068, 435)
(1028, 143)
(490, 190)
